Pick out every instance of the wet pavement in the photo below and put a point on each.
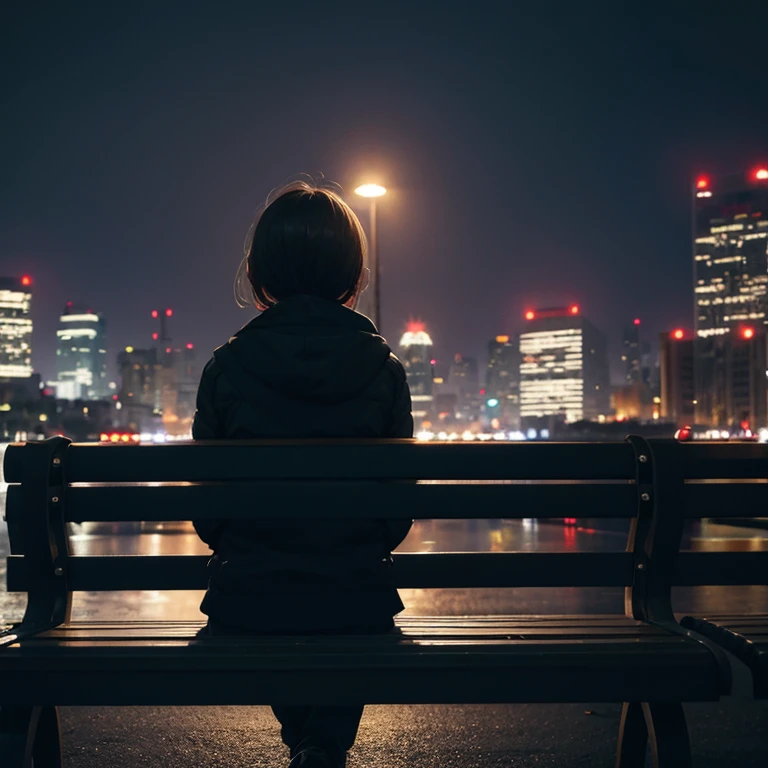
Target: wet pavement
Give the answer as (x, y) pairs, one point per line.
(734, 732)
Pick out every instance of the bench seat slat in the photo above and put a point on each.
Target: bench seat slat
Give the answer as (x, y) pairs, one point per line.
(428, 663)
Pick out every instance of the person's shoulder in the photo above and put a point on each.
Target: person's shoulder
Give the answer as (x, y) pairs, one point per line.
(395, 369)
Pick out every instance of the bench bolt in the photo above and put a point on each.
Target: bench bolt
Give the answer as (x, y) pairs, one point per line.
(59, 571)
(642, 458)
(56, 461)
(640, 566)
(55, 499)
(645, 497)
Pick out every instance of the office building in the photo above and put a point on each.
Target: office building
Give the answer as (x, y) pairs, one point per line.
(140, 378)
(15, 327)
(730, 255)
(563, 369)
(416, 356)
(81, 355)
(677, 380)
(631, 353)
(502, 382)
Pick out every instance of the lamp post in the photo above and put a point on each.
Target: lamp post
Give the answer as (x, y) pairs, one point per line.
(372, 191)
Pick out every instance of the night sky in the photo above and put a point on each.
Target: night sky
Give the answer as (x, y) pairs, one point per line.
(536, 154)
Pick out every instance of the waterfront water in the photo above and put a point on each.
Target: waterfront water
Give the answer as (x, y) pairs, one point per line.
(425, 536)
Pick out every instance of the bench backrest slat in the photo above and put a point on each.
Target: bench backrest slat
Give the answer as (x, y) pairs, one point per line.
(338, 460)
(339, 499)
(436, 570)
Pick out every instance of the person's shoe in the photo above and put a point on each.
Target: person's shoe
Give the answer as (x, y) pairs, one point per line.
(314, 757)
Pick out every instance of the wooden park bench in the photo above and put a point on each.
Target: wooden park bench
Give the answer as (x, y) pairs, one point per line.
(642, 658)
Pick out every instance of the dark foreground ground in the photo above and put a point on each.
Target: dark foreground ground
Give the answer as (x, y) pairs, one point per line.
(733, 733)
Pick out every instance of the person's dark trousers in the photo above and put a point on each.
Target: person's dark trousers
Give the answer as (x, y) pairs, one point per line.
(332, 729)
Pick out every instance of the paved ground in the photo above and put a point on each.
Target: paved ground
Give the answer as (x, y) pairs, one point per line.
(732, 733)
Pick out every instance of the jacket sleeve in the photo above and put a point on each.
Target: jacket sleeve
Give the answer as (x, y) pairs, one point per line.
(402, 426)
(207, 426)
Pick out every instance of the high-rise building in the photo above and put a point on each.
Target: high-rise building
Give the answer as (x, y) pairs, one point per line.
(188, 378)
(730, 282)
(677, 384)
(416, 355)
(563, 368)
(15, 327)
(502, 382)
(631, 353)
(140, 378)
(81, 355)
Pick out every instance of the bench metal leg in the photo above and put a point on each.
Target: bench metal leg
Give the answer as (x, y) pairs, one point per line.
(29, 736)
(668, 734)
(660, 723)
(633, 736)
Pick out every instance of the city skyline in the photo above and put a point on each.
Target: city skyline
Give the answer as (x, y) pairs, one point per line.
(530, 158)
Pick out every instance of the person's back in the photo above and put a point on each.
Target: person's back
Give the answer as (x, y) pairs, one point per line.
(309, 366)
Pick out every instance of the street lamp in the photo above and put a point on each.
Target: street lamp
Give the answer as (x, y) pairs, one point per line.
(372, 191)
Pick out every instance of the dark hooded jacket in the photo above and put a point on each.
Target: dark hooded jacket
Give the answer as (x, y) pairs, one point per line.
(305, 368)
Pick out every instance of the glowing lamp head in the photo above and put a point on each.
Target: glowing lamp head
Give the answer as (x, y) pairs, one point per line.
(702, 182)
(155, 336)
(190, 346)
(574, 309)
(530, 315)
(761, 174)
(168, 312)
(26, 280)
(370, 190)
(678, 334)
(154, 314)
(637, 321)
(747, 333)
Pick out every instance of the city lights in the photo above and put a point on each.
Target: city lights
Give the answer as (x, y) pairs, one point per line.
(678, 334)
(530, 315)
(574, 309)
(154, 313)
(26, 280)
(190, 345)
(747, 333)
(168, 312)
(637, 321)
(761, 174)
(702, 182)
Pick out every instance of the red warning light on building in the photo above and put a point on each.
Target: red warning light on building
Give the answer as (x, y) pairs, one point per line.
(190, 346)
(154, 313)
(168, 312)
(761, 174)
(574, 309)
(26, 280)
(155, 336)
(702, 182)
(530, 315)
(678, 334)
(637, 321)
(747, 333)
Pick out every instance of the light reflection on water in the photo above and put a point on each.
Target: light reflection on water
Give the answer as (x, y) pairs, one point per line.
(179, 538)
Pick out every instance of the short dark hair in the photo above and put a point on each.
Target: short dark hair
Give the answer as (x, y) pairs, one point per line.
(306, 240)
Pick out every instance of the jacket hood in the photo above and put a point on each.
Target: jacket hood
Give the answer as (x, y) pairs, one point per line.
(308, 348)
